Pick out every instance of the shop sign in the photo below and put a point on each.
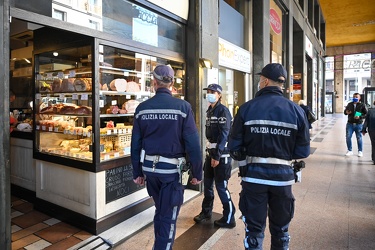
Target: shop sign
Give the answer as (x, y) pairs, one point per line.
(309, 47)
(179, 8)
(233, 57)
(275, 21)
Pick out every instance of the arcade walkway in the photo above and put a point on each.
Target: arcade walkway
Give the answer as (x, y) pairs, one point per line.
(335, 208)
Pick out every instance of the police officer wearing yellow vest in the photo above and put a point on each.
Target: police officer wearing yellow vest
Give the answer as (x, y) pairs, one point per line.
(267, 133)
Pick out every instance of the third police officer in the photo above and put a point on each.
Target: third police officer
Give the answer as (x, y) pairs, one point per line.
(217, 166)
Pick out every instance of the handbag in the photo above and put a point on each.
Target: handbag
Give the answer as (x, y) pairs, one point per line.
(311, 117)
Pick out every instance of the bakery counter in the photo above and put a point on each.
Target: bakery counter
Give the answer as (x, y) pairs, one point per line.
(26, 135)
(22, 164)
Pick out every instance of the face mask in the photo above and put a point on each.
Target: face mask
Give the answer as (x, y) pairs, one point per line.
(211, 98)
(355, 99)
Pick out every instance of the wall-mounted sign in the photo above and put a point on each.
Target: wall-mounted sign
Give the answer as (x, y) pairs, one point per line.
(275, 21)
(309, 47)
(179, 8)
(234, 57)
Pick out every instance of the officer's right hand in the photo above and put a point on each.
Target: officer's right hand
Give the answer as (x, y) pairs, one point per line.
(194, 181)
(139, 180)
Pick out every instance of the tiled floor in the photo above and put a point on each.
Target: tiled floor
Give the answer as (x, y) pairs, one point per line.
(335, 208)
(33, 230)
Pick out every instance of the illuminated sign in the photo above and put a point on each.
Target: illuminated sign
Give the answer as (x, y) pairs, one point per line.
(234, 57)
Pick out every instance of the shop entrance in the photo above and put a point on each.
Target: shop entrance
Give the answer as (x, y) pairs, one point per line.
(234, 88)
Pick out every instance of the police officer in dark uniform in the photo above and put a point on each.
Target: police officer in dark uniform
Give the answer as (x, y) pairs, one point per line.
(217, 166)
(164, 133)
(267, 133)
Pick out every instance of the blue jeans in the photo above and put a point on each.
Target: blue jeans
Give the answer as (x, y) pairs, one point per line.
(357, 128)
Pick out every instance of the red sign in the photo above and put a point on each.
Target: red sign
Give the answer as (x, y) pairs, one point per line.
(275, 21)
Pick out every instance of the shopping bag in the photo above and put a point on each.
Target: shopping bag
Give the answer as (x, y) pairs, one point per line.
(311, 117)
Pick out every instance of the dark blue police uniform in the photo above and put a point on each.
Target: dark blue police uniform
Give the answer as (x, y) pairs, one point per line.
(164, 131)
(267, 133)
(218, 122)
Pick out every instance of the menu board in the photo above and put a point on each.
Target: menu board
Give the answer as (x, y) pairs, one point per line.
(119, 183)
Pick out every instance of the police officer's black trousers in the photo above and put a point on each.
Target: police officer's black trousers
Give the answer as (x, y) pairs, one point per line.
(255, 201)
(167, 194)
(220, 176)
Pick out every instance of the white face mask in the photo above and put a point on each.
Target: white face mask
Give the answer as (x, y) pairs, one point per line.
(211, 98)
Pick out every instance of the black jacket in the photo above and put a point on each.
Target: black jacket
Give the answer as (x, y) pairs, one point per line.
(359, 107)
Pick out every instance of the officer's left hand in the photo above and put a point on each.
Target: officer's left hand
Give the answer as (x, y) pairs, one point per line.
(139, 181)
(194, 181)
(214, 163)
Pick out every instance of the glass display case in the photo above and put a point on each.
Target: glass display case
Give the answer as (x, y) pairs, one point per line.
(84, 105)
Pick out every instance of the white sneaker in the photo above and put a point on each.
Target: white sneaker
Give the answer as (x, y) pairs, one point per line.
(349, 153)
(360, 154)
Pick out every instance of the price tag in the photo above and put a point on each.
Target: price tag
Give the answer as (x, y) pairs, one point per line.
(60, 74)
(101, 58)
(37, 127)
(48, 95)
(84, 97)
(101, 48)
(120, 131)
(128, 97)
(109, 132)
(138, 96)
(72, 73)
(117, 154)
(106, 157)
(38, 77)
(88, 134)
(101, 103)
(114, 102)
(43, 127)
(75, 97)
(115, 130)
(126, 73)
(139, 75)
(61, 96)
(38, 96)
(49, 75)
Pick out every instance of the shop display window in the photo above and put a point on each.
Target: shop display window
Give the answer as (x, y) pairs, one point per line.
(84, 108)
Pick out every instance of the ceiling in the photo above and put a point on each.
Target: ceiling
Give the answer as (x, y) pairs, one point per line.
(349, 21)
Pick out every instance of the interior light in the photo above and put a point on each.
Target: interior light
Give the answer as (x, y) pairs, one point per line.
(205, 63)
(55, 53)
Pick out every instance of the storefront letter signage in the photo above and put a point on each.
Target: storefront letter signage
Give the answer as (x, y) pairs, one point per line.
(119, 183)
(275, 21)
(233, 57)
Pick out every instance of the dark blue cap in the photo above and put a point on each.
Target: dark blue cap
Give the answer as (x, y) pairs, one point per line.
(273, 71)
(164, 73)
(214, 87)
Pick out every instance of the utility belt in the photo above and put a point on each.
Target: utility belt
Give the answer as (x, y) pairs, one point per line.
(212, 145)
(182, 168)
(242, 165)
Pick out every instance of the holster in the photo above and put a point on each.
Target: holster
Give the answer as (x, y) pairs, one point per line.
(242, 171)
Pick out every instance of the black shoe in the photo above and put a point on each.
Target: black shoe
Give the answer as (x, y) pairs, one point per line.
(202, 217)
(223, 223)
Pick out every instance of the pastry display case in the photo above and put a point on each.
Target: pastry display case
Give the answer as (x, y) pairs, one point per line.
(84, 108)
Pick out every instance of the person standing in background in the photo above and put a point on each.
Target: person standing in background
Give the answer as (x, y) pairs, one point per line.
(12, 120)
(305, 108)
(369, 126)
(164, 134)
(217, 166)
(356, 112)
(268, 132)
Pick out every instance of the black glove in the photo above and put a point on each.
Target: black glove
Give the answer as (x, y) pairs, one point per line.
(238, 155)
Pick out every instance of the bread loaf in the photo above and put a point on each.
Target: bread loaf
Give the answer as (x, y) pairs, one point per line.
(132, 87)
(82, 84)
(118, 84)
(56, 85)
(67, 85)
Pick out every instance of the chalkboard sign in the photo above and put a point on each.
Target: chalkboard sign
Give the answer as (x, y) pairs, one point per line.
(119, 183)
